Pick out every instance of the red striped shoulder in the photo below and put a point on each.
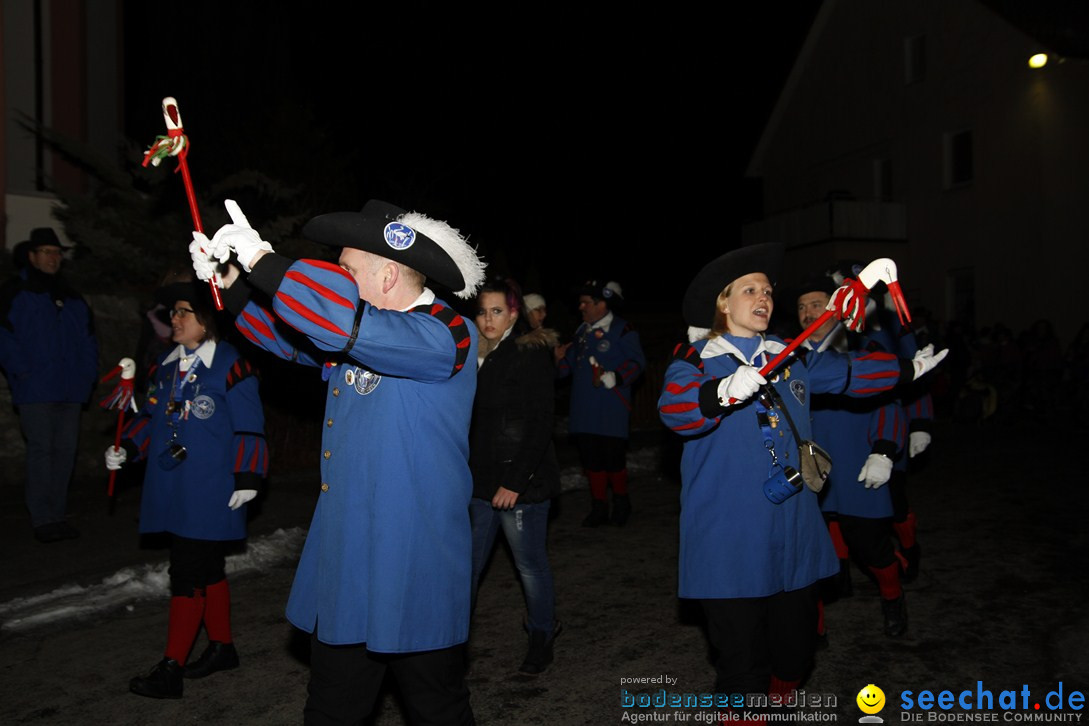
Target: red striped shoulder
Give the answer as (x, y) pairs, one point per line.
(459, 330)
(686, 353)
(239, 371)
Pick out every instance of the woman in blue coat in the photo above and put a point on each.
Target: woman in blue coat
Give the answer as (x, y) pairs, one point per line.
(753, 542)
(202, 433)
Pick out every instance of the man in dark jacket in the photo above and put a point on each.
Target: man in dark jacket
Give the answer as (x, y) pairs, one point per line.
(49, 354)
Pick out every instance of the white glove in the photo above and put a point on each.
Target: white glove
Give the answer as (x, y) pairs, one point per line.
(239, 237)
(115, 457)
(203, 264)
(876, 471)
(925, 360)
(917, 443)
(240, 497)
(607, 378)
(740, 385)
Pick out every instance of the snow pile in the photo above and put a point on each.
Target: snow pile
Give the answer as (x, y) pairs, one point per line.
(134, 584)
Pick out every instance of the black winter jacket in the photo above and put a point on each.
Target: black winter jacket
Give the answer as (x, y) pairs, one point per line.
(510, 443)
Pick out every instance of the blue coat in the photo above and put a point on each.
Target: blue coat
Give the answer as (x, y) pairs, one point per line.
(223, 434)
(387, 560)
(48, 348)
(734, 541)
(850, 430)
(596, 409)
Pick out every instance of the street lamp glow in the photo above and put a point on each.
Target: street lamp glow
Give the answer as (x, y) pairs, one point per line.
(1038, 61)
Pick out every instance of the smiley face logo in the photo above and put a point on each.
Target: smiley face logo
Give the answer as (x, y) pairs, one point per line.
(871, 699)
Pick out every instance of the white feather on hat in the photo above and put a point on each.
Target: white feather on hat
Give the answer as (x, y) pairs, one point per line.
(454, 245)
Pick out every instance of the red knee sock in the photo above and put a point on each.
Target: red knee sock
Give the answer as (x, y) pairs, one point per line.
(217, 612)
(185, 617)
(820, 617)
(888, 581)
(599, 482)
(619, 481)
(905, 531)
(838, 542)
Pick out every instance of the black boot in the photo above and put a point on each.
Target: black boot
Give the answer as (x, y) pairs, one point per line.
(896, 617)
(164, 681)
(621, 509)
(216, 657)
(912, 554)
(540, 651)
(598, 515)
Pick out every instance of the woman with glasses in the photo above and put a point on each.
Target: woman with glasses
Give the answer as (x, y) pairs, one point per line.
(202, 433)
(515, 471)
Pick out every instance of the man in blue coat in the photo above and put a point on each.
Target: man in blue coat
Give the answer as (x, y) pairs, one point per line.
(50, 356)
(385, 574)
(603, 361)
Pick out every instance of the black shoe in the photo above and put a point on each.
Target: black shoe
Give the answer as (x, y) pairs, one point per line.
(540, 651)
(912, 554)
(49, 533)
(598, 515)
(896, 617)
(164, 681)
(621, 509)
(216, 657)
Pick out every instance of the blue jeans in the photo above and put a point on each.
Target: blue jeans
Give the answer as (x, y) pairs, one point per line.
(52, 434)
(525, 528)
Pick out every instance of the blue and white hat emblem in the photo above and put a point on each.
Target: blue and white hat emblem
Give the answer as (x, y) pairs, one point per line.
(399, 236)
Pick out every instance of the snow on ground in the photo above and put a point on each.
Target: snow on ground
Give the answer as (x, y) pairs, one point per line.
(134, 584)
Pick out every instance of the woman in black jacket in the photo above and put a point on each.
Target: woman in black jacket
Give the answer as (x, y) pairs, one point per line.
(515, 472)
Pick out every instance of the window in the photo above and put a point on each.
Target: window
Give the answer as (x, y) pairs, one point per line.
(957, 154)
(914, 59)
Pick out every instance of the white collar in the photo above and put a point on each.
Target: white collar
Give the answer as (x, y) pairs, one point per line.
(206, 351)
(721, 346)
(426, 298)
(603, 322)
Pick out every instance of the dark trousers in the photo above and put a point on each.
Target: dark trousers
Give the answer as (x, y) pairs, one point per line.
(345, 681)
(52, 435)
(195, 564)
(758, 637)
(869, 540)
(601, 453)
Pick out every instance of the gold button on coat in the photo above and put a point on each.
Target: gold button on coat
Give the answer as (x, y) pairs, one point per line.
(336, 391)
(324, 487)
(327, 453)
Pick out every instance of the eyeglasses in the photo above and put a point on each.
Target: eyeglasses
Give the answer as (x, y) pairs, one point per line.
(180, 312)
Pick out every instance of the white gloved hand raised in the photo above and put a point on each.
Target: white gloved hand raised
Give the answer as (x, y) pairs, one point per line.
(204, 264)
(876, 471)
(740, 385)
(115, 457)
(239, 238)
(917, 443)
(848, 306)
(926, 360)
(240, 497)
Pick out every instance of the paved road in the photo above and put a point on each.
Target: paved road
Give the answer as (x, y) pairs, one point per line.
(1001, 600)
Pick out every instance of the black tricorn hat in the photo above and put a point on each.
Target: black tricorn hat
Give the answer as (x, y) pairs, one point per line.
(699, 300)
(431, 247)
(44, 237)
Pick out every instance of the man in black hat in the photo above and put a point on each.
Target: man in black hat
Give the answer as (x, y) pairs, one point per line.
(385, 575)
(603, 360)
(50, 356)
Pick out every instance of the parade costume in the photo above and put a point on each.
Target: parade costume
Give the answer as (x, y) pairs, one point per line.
(49, 354)
(751, 561)
(599, 416)
(201, 431)
(384, 577)
(511, 447)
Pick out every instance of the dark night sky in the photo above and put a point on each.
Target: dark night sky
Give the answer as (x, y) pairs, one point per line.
(567, 145)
